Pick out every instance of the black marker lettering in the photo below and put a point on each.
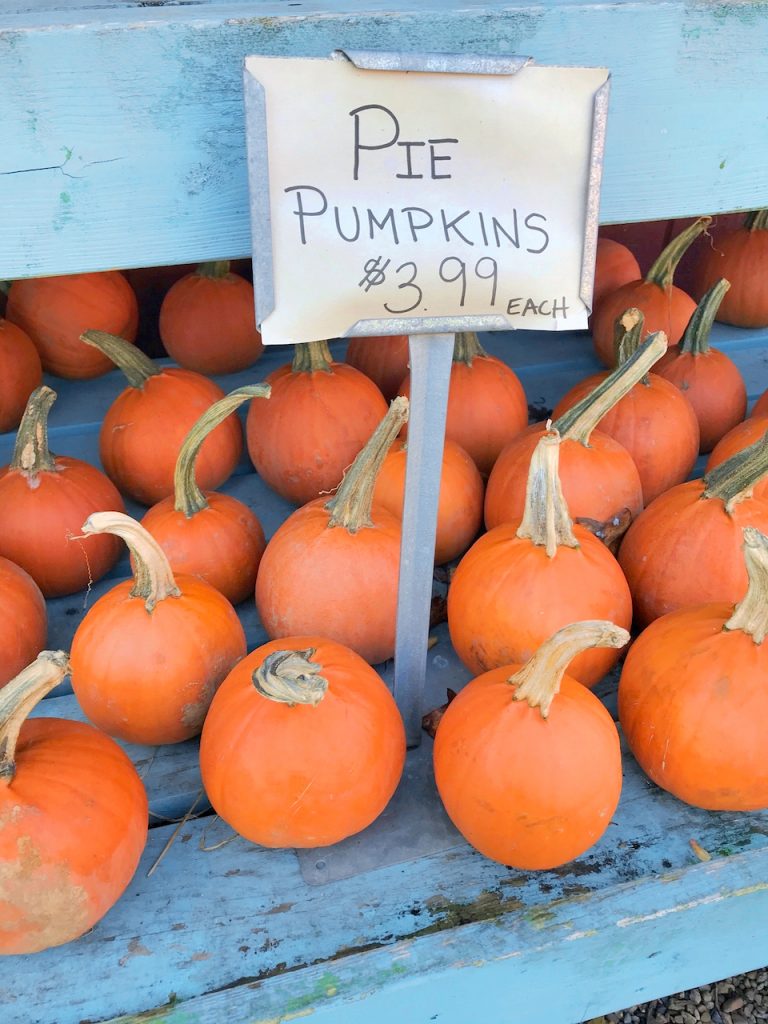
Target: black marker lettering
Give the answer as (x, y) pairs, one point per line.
(530, 307)
(356, 235)
(482, 227)
(407, 146)
(300, 210)
(499, 230)
(389, 217)
(409, 212)
(434, 157)
(543, 311)
(562, 308)
(450, 225)
(512, 305)
(359, 145)
(541, 231)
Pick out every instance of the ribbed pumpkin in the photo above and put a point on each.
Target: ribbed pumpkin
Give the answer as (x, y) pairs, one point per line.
(303, 745)
(693, 696)
(210, 535)
(208, 321)
(486, 402)
(149, 654)
(55, 311)
(741, 256)
(736, 440)
(23, 620)
(708, 378)
(615, 266)
(44, 499)
(523, 580)
(685, 548)
(20, 373)
(460, 505)
(332, 568)
(598, 475)
(654, 421)
(318, 417)
(527, 761)
(73, 813)
(382, 358)
(665, 307)
(144, 428)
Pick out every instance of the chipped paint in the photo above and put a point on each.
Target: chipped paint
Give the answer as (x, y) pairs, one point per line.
(716, 897)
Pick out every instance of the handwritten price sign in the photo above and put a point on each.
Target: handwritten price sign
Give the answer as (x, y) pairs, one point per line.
(399, 202)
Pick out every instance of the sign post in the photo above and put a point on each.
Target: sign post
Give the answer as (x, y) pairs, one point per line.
(421, 194)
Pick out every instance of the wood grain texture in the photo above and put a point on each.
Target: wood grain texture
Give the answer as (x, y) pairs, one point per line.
(123, 135)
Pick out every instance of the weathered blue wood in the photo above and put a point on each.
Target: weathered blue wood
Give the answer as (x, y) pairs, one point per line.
(123, 128)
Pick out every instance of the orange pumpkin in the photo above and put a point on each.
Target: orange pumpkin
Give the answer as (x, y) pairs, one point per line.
(665, 307)
(149, 654)
(208, 321)
(693, 696)
(685, 548)
(20, 373)
(43, 501)
(54, 311)
(460, 505)
(741, 255)
(332, 568)
(486, 402)
(736, 440)
(654, 421)
(73, 813)
(527, 761)
(23, 620)
(144, 428)
(708, 378)
(318, 417)
(382, 358)
(210, 535)
(523, 580)
(303, 745)
(615, 266)
(760, 408)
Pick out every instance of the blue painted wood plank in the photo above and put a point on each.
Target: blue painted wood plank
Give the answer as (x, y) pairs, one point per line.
(123, 135)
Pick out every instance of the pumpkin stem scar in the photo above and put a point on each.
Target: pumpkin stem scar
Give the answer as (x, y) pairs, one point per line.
(291, 677)
(31, 454)
(546, 521)
(136, 366)
(19, 697)
(750, 615)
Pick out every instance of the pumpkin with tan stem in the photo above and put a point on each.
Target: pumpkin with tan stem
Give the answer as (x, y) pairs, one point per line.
(666, 307)
(740, 255)
(527, 761)
(736, 440)
(303, 745)
(344, 555)
(144, 428)
(20, 373)
(693, 696)
(73, 813)
(210, 535)
(685, 548)
(23, 620)
(384, 359)
(522, 581)
(150, 653)
(43, 501)
(486, 402)
(318, 417)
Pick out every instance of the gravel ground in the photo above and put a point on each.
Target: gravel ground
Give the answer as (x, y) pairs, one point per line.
(739, 1000)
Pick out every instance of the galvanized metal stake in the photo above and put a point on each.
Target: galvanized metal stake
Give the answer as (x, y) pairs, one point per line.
(431, 356)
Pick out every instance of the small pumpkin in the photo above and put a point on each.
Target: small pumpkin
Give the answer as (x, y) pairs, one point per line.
(527, 761)
(693, 696)
(149, 654)
(23, 620)
(74, 818)
(144, 428)
(54, 312)
(208, 321)
(332, 568)
(736, 440)
(20, 373)
(303, 745)
(666, 307)
(615, 266)
(210, 535)
(760, 408)
(319, 416)
(43, 501)
(523, 580)
(382, 358)
(741, 255)
(486, 402)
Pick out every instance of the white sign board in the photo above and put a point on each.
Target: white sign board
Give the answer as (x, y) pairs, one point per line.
(388, 201)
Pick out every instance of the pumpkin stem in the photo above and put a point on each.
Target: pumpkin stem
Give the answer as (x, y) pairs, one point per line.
(751, 613)
(215, 269)
(546, 521)
(153, 575)
(466, 346)
(665, 265)
(31, 454)
(290, 677)
(188, 498)
(538, 681)
(581, 419)
(757, 220)
(696, 337)
(350, 507)
(136, 366)
(312, 357)
(18, 698)
(628, 335)
(733, 480)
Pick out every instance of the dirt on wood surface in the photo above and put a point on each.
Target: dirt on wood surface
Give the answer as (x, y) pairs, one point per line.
(739, 1000)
